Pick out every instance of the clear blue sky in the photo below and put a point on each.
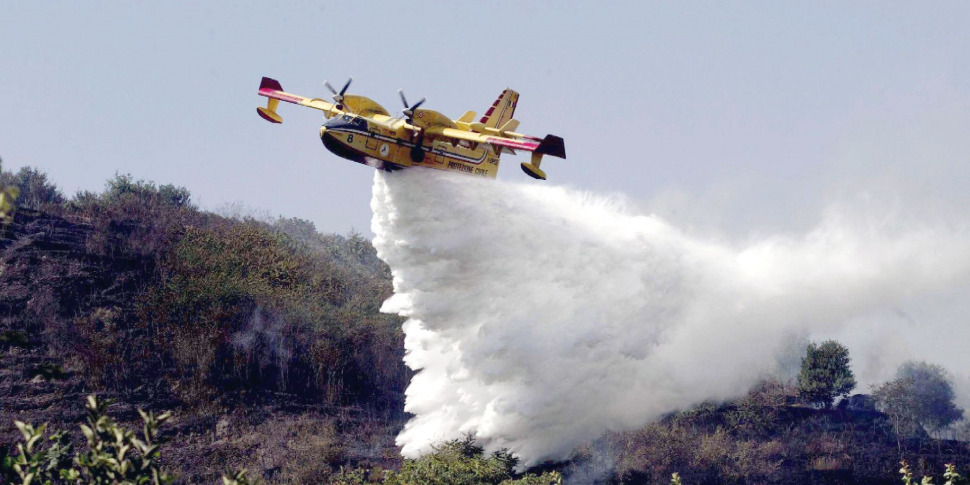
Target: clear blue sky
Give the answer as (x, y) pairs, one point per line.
(742, 114)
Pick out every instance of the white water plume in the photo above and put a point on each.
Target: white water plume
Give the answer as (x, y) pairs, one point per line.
(540, 317)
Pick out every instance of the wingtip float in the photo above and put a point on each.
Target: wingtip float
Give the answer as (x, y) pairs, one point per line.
(361, 130)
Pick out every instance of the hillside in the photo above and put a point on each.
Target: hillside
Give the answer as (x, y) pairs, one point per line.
(265, 339)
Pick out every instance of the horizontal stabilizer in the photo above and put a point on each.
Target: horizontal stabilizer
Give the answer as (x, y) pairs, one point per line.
(552, 145)
(270, 83)
(270, 114)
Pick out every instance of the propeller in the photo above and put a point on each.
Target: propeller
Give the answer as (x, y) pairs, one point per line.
(408, 111)
(338, 97)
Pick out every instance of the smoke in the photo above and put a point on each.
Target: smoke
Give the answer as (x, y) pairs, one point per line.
(261, 341)
(540, 317)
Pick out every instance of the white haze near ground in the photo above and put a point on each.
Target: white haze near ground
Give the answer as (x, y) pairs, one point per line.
(540, 317)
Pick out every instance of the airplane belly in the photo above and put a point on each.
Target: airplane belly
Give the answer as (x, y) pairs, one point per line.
(338, 147)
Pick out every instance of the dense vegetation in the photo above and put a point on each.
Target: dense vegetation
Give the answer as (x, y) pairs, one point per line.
(115, 455)
(265, 341)
(263, 336)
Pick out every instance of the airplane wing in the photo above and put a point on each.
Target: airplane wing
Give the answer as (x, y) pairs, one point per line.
(272, 89)
(550, 145)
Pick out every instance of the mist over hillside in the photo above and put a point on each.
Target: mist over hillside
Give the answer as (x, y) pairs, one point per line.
(541, 320)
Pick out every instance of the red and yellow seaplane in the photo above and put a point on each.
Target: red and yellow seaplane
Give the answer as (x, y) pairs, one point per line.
(361, 130)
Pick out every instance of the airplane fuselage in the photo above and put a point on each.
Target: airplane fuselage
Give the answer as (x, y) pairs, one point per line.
(360, 129)
(383, 143)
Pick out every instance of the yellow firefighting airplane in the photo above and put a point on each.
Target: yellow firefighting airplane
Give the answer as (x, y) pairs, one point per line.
(361, 130)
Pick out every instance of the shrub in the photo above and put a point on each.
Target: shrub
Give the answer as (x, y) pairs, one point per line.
(47, 371)
(949, 474)
(933, 389)
(457, 462)
(112, 455)
(125, 186)
(14, 338)
(242, 306)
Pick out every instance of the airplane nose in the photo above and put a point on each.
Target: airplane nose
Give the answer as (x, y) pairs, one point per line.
(323, 129)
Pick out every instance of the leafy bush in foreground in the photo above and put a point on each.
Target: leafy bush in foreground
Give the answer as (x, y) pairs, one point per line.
(113, 455)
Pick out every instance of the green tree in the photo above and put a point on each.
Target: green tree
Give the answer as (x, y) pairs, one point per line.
(933, 388)
(920, 397)
(36, 189)
(124, 186)
(898, 402)
(825, 373)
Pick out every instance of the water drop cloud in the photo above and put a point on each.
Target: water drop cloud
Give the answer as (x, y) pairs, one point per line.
(539, 317)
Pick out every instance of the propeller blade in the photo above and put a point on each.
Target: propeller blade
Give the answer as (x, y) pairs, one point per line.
(408, 111)
(332, 90)
(344, 90)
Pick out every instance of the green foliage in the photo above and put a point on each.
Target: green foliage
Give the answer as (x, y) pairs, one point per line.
(242, 306)
(825, 373)
(35, 463)
(921, 397)
(155, 210)
(238, 478)
(9, 192)
(299, 229)
(113, 454)
(949, 474)
(214, 306)
(48, 371)
(8, 196)
(351, 476)
(35, 190)
(125, 186)
(933, 390)
(457, 462)
(14, 338)
(117, 455)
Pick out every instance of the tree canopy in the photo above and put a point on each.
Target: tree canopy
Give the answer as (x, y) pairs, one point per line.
(34, 190)
(920, 397)
(825, 373)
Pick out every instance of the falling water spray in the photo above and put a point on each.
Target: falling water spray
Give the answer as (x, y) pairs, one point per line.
(539, 317)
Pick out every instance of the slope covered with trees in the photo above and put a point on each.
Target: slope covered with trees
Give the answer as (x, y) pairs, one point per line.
(264, 336)
(265, 341)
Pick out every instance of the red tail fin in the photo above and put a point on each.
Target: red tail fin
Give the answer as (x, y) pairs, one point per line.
(501, 110)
